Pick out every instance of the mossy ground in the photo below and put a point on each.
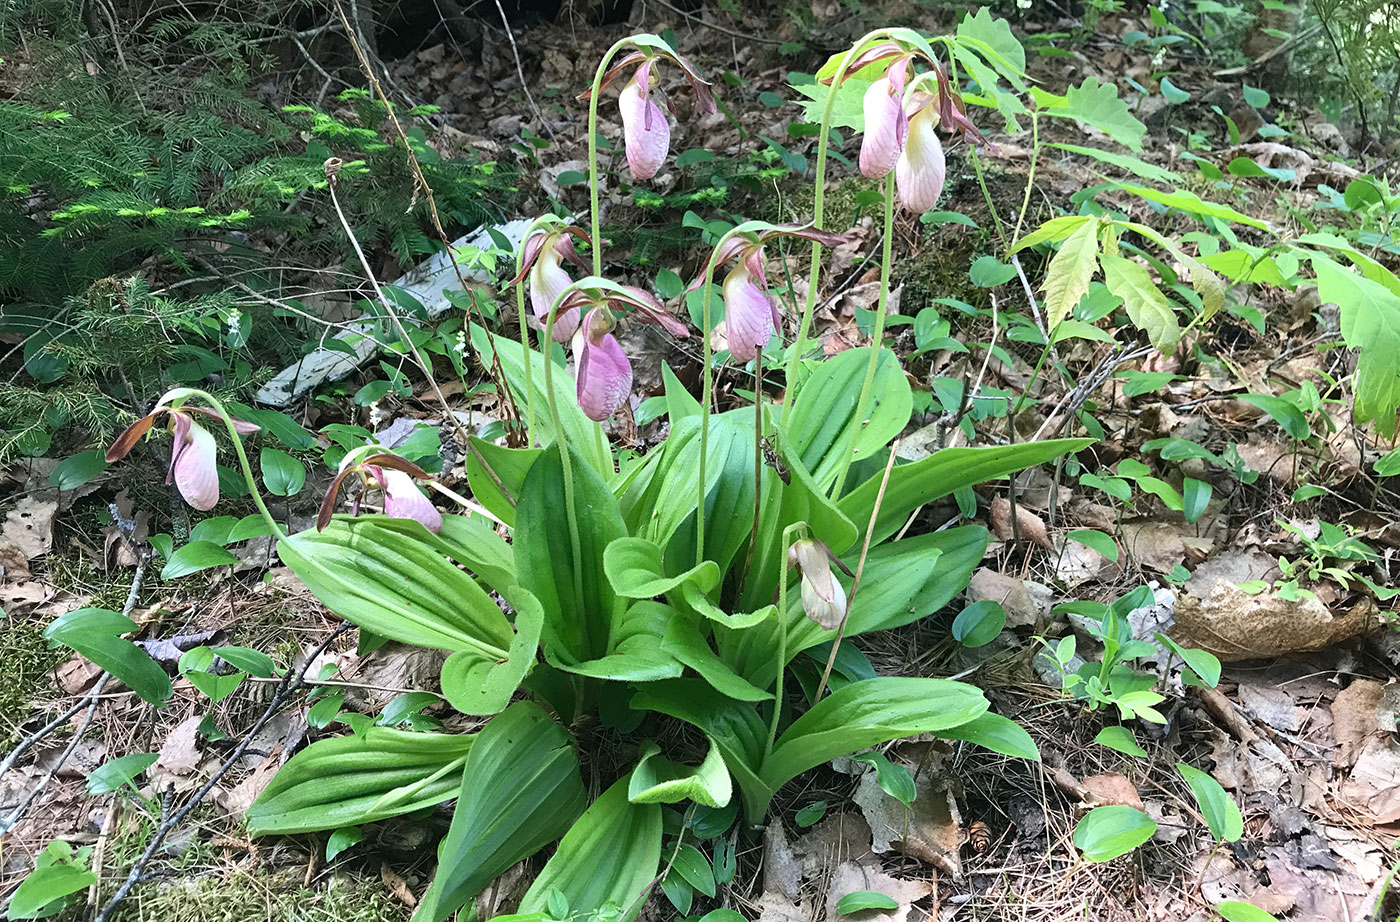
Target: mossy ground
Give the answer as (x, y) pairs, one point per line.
(249, 897)
(28, 672)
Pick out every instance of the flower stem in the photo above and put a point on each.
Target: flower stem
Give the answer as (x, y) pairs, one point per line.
(706, 391)
(877, 338)
(525, 349)
(244, 465)
(782, 639)
(818, 213)
(593, 152)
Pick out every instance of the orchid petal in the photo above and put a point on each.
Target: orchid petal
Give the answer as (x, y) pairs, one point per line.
(645, 131)
(128, 439)
(547, 282)
(403, 500)
(604, 373)
(885, 126)
(193, 463)
(922, 167)
(242, 427)
(646, 308)
(750, 316)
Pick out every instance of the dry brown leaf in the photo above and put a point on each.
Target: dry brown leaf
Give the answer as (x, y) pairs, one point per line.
(1030, 526)
(1272, 705)
(1153, 545)
(1374, 783)
(236, 801)
(29, 525)
(398, 886)
(836, 838)
(929, 829)
(775, 907)
(782, 871)
(179, 753)
(850, 877)
(1113, 788)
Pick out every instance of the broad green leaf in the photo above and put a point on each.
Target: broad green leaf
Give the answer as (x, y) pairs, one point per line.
(1219, 809)
(343, 839)
(576, 595)
(658, 780)
(1097, 541)
(74, 471)
(989, 272)
(1247, 167)
(1096, 104)
(635, 652)
(118, 772)
(1195, 498)
(282, 474)
(692, 867)
(96, 634)
(912, 485)
(979, 623)
(1237, 911)
(388, 579)
(823, 419)
(1389, 464)
(1079, 329)
(1104, 833)
(1147, 307)
(520, 790)
(480, 684)
(1174, 94)
(1370, 324)
(215, 687)
(1256, 97)
(579, 431)
(1053, 231)
(608, 859)
(1190, 202)
(861, 900)
(1134, 165)
(350, 780)
(635, 569)
(1071, 270)
(997, 733)
(196, 556)
(253, 662)
(991, 36)
(685, 643)
(811, 814)
(865, 714)
(1120, 739)
(497, 475)
(45, 887)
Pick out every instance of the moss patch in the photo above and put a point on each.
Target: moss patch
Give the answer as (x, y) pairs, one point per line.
(29, 665)
(275, 898)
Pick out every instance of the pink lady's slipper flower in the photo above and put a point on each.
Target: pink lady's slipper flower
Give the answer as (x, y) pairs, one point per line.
(751, 314)
(645, 132)
(544, 254)
(391, 474)
(193, 458)
(901, 117)
(603, 372)
(823, 598)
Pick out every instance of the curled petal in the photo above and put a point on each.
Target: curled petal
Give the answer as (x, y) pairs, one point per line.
(529, 252)
(193, 463)
(403, 500)
(645, 307)
(886, 127)
(645, 131)
(618, 66)
(871, 55)
(564, 247)
(750, 315)
(127, 440)
(921, 168)
(327, 510)
(604, 374)
(547, 282)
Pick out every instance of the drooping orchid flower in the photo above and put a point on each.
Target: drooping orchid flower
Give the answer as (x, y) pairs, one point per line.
(751, 314)
(901, 117)
(193, 457)
(645, 132)
(823, 597)
(542, 259)
(603, 372)
(391, 474)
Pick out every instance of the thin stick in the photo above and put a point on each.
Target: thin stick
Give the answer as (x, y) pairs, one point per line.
(520, 72)
(860, 569)
(291, 682)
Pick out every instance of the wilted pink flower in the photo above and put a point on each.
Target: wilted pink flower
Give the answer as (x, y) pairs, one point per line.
(193, 457)
(545, 252)
(646, 134)
(393, 475)
(751, 314)
(604, 375)
(823, 597)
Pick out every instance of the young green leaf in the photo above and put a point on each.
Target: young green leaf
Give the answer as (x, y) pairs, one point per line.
(1120, 739)
(96, 634)
(282, 474)
(861, 900)
(344, 838)
(118, 772)
(1217, 807)
(253, 662)
(1105, 833)
(45, 891)
(811, 814)
(979, 623)
(1147, 307)
(74, 471)
(1283, 412)
(196, 556)
(1071, 270)
(1097, 541)
(1195, 497)
(893, 779)
(1237, 911)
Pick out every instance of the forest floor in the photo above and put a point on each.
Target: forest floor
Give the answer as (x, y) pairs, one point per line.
(1300, 728)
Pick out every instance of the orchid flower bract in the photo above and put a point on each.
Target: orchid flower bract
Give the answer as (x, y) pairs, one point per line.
(394, 476)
